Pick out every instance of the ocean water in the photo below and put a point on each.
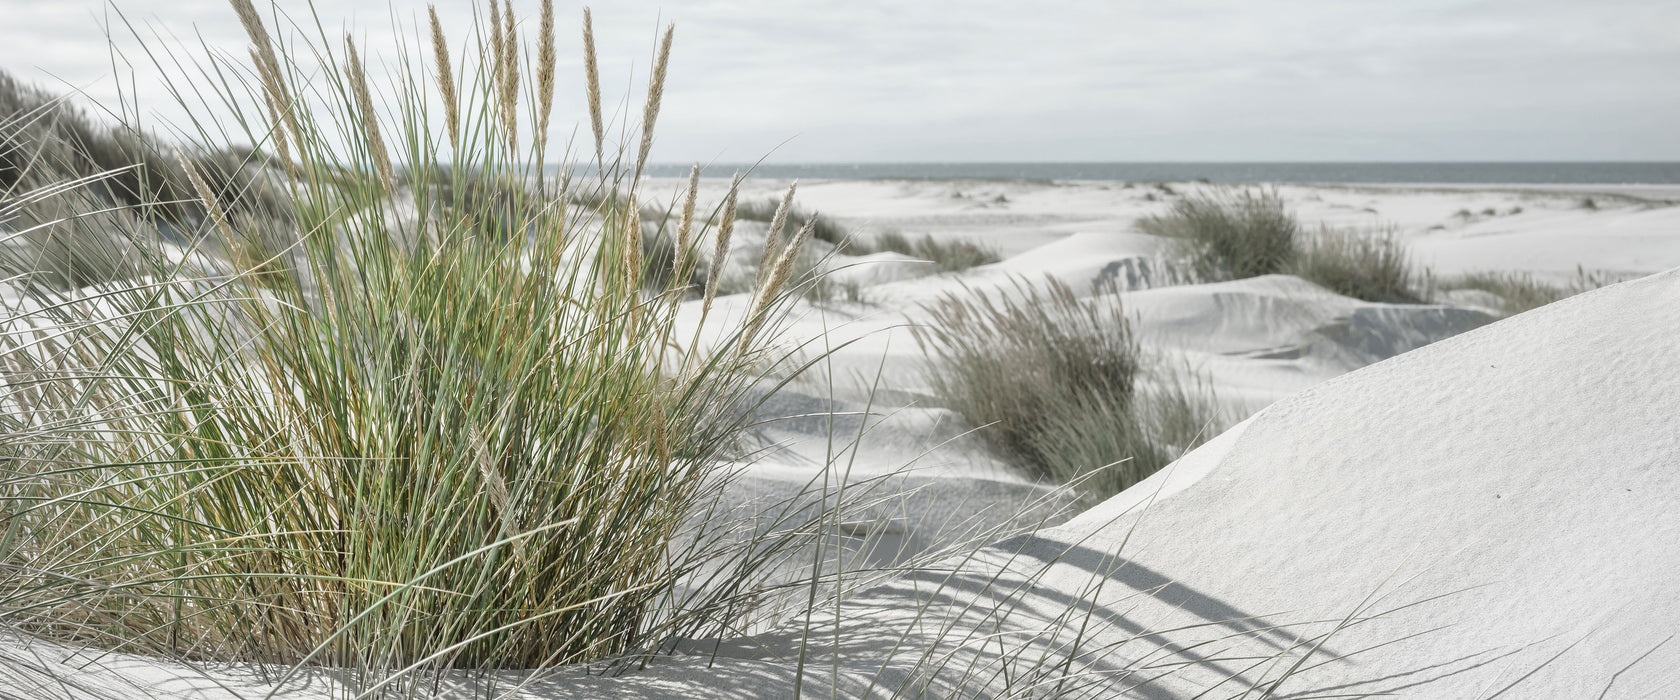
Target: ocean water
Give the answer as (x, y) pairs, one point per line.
(1573, 173)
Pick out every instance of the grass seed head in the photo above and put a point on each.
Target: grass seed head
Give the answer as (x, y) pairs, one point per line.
(685, 227)
(495, 57)
(445, 80)
(545, 72)
(508, 55)
(772, 285)
(370, 118)
(656, 93)
(268, 64)
(784, 263)
(593, 77)
(720, 253)
(772, 238)
(270, 96)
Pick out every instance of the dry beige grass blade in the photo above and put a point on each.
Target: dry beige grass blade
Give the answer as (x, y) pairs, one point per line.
(370, 119)
(726, 227)
(685, 228)
(772, 239)
(561, 201)
(632, 247)
(592, 74)
(545, 72)
(445, 80)
(656, 93)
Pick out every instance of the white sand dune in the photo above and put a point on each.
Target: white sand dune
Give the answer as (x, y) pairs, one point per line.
(1424, 502)
(1261, 339)
(1492, 513)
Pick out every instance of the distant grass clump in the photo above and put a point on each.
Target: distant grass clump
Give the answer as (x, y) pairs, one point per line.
(1373, 266)
(1230, 235)
(948, 256)
(1233, 235)
(123, 180)
(445, 426)
(1056, 383)
(826, 229)
(1521, 291)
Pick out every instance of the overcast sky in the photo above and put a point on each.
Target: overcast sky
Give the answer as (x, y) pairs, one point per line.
(1081, 80)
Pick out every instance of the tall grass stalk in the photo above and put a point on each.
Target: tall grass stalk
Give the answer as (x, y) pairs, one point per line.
(772, 237)
(592, 86)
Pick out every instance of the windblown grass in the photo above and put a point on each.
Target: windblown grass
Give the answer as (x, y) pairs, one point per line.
(1057, 383)
(443, 421)
(1230, 234)
(1521, 291)
(103, 179)
(948, 256)
(1373, 266)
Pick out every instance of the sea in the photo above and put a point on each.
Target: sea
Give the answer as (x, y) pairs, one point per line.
(1523, 173)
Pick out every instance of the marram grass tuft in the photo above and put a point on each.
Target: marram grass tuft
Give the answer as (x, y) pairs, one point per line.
(423, 415)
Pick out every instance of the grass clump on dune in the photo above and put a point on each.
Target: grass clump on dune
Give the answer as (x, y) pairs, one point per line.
(433, 428)
(1230, 235)
(1521, 291)
(1373, 266)
(1057, 383)
(105, 180)
(948, 256)
(1233, 235)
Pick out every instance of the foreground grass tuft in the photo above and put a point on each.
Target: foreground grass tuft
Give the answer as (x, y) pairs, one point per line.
(1056, 382)
(439, 418)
